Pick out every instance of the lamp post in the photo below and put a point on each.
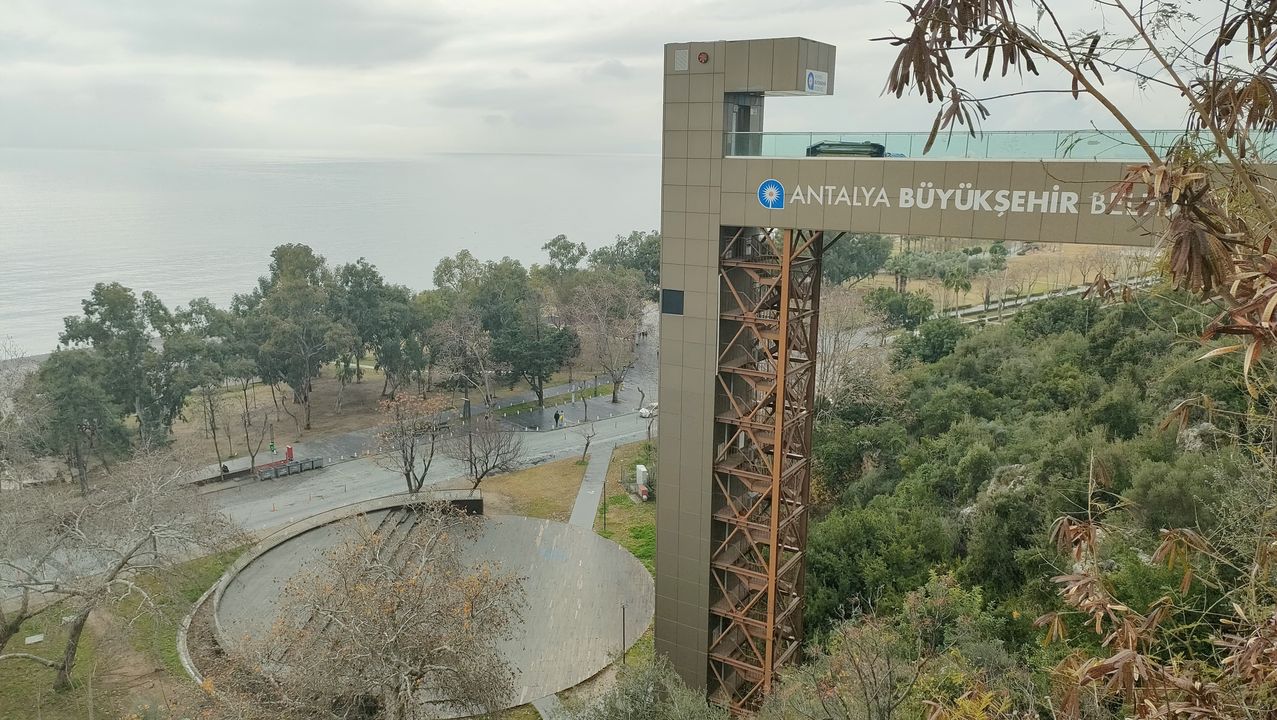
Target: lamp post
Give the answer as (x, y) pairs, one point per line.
(622, 633)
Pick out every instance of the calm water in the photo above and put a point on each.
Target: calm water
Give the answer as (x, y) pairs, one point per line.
(195, 224)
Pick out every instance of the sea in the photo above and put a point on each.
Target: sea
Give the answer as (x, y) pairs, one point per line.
(190, 224)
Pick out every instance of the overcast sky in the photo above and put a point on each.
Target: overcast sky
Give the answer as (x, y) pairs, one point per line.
(406, 77)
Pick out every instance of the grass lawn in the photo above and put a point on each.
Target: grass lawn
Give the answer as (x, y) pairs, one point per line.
(523, 712)
(155, 634)
(629, 524)
(26, 689)
(545, 491)
(552, 400)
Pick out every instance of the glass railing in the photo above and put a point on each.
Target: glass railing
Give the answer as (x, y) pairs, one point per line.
(1001, 145)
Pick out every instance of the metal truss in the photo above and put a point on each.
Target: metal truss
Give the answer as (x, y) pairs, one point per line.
(769, 301)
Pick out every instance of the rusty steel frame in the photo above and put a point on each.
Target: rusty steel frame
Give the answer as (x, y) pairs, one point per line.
(769, 286)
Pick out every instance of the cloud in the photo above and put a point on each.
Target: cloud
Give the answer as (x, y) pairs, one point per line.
(325, 33)
(611, 68)
(413, 76)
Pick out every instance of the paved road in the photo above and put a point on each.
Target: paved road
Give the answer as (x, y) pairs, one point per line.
(267, 505)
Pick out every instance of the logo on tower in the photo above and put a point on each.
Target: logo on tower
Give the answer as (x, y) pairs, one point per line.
(771, 194)
(817, 82)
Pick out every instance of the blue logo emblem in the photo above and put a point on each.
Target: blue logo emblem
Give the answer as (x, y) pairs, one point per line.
(811, 80)
(771, 194)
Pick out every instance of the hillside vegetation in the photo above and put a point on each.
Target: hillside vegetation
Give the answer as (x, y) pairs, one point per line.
(942, 471)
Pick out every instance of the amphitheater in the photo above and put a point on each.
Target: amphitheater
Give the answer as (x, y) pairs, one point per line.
(587, 598)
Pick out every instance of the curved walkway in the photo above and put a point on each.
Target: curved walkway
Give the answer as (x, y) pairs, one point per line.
(587, 598)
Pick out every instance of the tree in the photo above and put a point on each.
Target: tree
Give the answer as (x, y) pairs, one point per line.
(501, 295)
(609, 309)
(639, 251)
(394, 628)
(92, 551)
(138, 376)
(411, 434)
(871, 556)
(80, 418)
(253, 445)
(357, 297)
(400, 339)
(958, 280)
(934, 339)
(843, 319)
(485, 447)
(299, 334)
(534, 350)
(869, 672)
(855, 257)
(26, 559)
(457, 272)
(209, 378)
(466, 348)
(588, 433)
(21, 415)
(900, 310)
(564, 254)
(430, 308)
(647, 690)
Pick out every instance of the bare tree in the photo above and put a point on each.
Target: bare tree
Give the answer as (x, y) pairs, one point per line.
(646, 690)
(1088, 265)
(485, 447)
(395, 628)
(588, 432)
(412, 433)
(251, 445)
(842, 317)
(20, 415)
(213, 402)
(609, 312)
(585, 402)
(868, 673)
(467, 352)
(25, 560)
(89, 551)
(1207, 185)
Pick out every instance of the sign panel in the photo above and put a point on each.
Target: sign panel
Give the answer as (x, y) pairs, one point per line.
(817, 82)
(1025, 200)
(964, 197)
(680, 59)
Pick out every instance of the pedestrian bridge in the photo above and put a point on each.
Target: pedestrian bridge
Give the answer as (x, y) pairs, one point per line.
(961, 145)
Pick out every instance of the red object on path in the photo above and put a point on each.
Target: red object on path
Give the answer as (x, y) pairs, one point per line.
(288, 453)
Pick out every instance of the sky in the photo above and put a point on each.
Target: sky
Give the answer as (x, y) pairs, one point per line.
(412, 77)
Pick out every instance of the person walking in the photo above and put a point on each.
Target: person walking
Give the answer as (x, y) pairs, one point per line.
(557, 417)
(272, 447)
